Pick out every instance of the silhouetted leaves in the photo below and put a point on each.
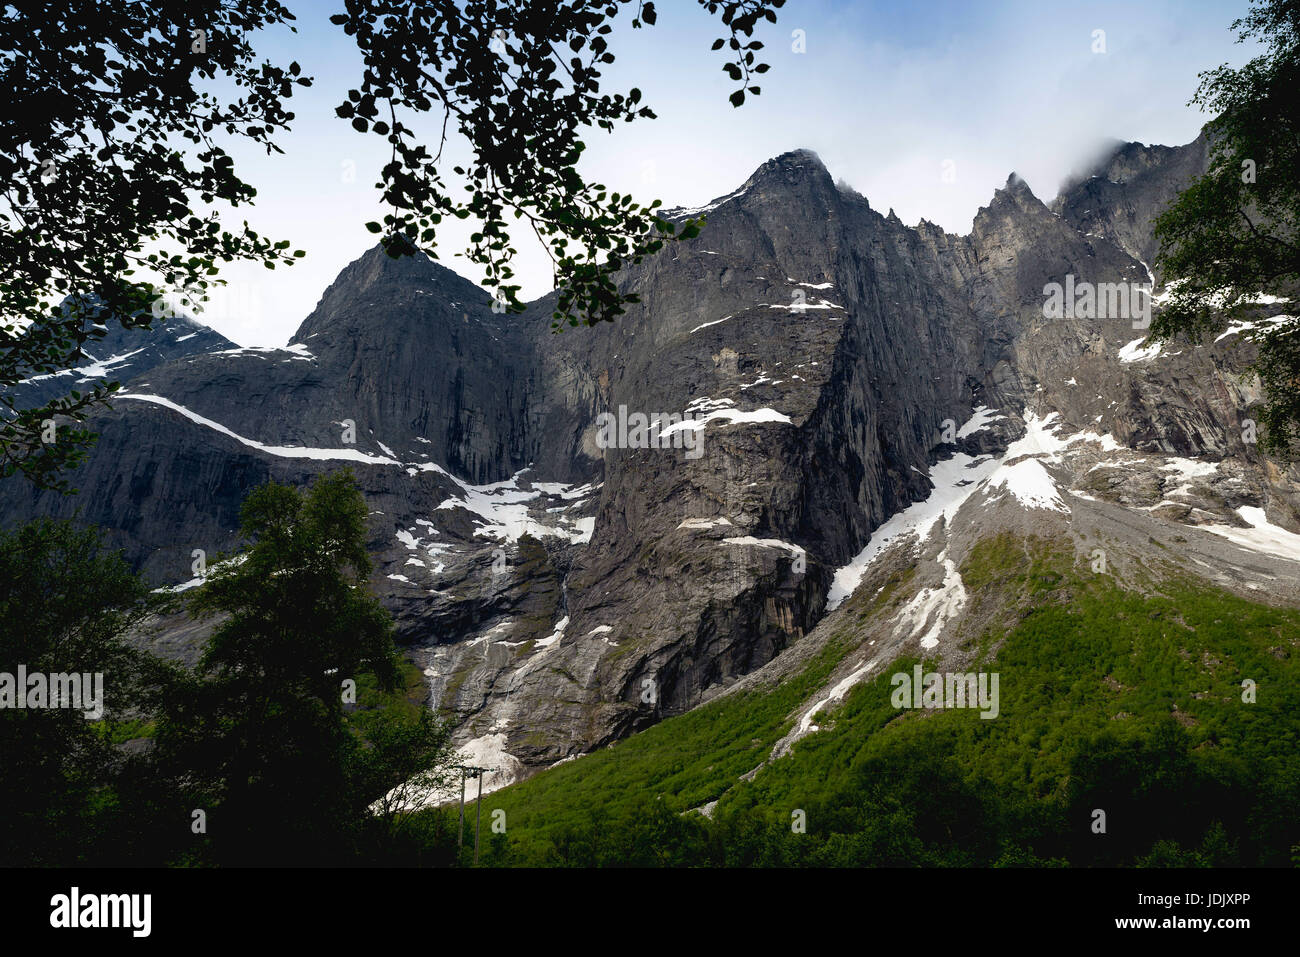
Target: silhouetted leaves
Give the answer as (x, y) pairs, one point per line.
(520, 84)
(107, 141)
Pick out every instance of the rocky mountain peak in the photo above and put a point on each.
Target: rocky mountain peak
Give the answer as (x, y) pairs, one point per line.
(1018, 191)
(1128, 161)
(121, 353)
(377, 281)
(1127, 189)
(1014, 202)
(800, 171)
(796, 177)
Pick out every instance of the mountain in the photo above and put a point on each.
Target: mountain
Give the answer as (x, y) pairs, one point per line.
(1122, 197)
(857, 409)
(122, 354)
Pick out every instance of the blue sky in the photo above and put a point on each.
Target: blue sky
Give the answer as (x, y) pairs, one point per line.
(886, 94)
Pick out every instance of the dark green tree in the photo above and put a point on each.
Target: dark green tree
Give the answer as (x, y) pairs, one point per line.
(406, 755)
(66, 603)
(1232, 234)
(261, 735)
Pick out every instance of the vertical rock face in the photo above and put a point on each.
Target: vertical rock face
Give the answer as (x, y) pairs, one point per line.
(416, 353)
(580, 533)
(1121, 199)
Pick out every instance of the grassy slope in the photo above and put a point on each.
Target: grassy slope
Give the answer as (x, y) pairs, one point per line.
(1124, 700)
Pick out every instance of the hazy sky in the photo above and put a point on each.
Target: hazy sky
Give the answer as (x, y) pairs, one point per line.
(885, 93)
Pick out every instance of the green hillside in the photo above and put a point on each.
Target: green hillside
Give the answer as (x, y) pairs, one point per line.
(1127, 700)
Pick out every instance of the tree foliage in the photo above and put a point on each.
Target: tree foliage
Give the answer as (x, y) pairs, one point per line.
(1232, 234)
(113, 168)
(66, 604)
(286, 766)
(520, 82)
(261, 733)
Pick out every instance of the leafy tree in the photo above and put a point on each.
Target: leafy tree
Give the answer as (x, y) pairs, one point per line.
(65, 605)
(520, 82)
(1232, 234)
(109, 137)
(262, 734)
(262, 738)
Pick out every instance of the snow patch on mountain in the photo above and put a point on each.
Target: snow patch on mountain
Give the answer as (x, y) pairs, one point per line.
(1261, 536)
(1030, 483)
(95, 369)
(556, 635)
(723, 411)
(705, 325)
(284, 451)
(980, 419)
(297, 350)
(1255, 328)
(796, 550)
(954, 480)
(1135, 352)
(932, 608)
(803, 306)
(504, 513)
(842, 688)
(704, 522)
(485, 751)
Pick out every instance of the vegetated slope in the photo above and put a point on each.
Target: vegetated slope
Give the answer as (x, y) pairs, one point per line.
(1119, 696)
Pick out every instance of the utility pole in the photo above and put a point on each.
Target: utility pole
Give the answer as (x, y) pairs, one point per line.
(478, 815)
(478, 772)
(460, 838)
